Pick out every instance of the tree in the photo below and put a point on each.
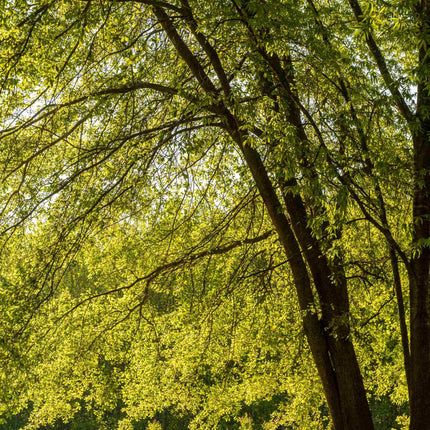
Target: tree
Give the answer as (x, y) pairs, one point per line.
(313, 103)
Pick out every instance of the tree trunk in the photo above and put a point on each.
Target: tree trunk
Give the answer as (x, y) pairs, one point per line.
(420, 264)
(331, 348)
(334, 302)
(330, 283)
(316, 337)
(419, 287)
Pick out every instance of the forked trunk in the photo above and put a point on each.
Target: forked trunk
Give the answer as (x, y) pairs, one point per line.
(332, 350)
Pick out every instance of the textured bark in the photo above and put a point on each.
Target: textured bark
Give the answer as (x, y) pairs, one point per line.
(419, 276)
(420, 288)
(333, 297)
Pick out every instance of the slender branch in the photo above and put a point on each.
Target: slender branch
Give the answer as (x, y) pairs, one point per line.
(123, 89)
(184, 51)
(382, 64)
(402, 316)
(378, 312)
(173, 265)
(207, 47)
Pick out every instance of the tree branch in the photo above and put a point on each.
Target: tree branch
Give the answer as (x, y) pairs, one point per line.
(382, 65)
(173, 265)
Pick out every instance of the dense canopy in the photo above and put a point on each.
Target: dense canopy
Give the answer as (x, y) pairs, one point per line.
(214, 214)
